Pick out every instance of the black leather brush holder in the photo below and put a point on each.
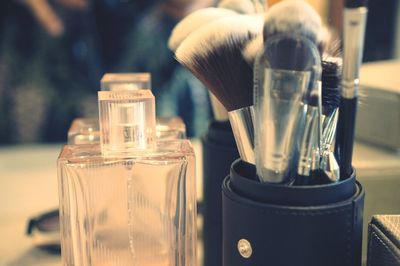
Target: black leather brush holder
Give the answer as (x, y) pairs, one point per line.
(277, 225)
(219, 151)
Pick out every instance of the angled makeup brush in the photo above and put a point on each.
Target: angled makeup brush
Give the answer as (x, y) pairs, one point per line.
(213, 55)
(191, 23)
(354, 20)
(194, 21)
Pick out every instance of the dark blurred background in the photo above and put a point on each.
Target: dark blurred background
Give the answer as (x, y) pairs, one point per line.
(54, 52)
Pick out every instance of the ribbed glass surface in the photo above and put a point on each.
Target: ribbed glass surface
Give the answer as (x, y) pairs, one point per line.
(136, 211)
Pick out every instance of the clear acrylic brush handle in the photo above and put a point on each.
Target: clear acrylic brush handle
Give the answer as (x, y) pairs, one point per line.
(285, 73)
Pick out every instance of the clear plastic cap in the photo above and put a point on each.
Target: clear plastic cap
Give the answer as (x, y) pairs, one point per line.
(125, 81)
(127, 122)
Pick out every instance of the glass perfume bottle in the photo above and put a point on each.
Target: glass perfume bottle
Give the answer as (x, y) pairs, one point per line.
(86, 130)
(125, 81)
(130, 199)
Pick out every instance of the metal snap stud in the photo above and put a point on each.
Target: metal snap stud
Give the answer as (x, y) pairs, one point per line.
(244, 248)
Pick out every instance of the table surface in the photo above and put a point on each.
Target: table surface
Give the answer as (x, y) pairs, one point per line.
(28, 186)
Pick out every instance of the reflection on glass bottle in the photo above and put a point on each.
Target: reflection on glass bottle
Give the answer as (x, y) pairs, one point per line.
(86, 130)
(129, 200)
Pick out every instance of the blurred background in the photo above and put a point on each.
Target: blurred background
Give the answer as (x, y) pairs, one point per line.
(54, 52)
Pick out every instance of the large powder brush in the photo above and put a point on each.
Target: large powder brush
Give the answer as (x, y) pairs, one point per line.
(286, 71)
(194, 21)
(214, 55)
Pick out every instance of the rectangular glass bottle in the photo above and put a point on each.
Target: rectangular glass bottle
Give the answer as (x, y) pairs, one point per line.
(129, 200)
(86, 130)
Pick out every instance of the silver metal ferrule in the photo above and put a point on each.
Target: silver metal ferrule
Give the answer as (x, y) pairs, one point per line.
(354, 22)
(243, 129)
(328, 161)
(329, 130)
(309, 147)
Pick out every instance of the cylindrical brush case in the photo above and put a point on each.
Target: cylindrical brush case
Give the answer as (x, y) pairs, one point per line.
(281, 225)
(219, 151)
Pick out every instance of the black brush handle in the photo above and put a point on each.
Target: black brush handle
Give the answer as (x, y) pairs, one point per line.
(345, 139)
(355, 3)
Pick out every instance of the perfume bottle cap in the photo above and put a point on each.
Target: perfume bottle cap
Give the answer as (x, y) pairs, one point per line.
(127, 121)
(125, 81)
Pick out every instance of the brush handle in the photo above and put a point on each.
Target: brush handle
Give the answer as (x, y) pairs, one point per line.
(345, 139)
(243, 130)
(354, 21)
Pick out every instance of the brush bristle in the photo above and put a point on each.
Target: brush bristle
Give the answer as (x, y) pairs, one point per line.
(214, 55)
(252, 49)
(331, 84)
(194, 21)
(294, 17)
(240, 6)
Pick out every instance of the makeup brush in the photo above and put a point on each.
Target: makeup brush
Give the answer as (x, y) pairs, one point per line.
(331, 87)
(330, 170)
(285, 74)
(213, 55)
(252, 49)
(310, 145)
(194, 21)
(331, 79)
(190, 24)
(239, 6)
(293, 17)
(354, 20)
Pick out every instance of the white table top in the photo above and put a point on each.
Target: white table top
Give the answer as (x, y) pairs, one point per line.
(28, 186)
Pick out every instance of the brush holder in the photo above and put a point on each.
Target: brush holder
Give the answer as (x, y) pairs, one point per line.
(269, 224)
(219, 151)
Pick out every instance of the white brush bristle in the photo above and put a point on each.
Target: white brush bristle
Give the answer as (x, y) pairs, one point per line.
(194, 21)
(293, 17)
(214, 55)
(252, 49)
(217, 33)
(240, 6)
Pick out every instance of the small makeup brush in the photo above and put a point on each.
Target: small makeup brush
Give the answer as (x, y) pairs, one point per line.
(331, 84)
(354, 20)
(219, 111)
(309, 157)
(194, 21)
(213, 55)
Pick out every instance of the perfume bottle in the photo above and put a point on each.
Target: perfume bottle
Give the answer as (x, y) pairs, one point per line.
(86, 130)
(130, 199)
(125, 81)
